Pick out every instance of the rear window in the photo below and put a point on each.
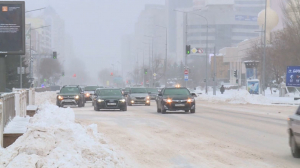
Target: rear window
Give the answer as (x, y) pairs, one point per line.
(91, 88)
(109, 92)
(152, 90)
(69, 90)
(175, 91)
(138, 90)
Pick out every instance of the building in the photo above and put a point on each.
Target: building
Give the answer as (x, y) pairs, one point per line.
(222, 68)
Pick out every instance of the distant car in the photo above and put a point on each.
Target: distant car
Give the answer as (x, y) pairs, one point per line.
(294, 133)
(89, 92)
(153, 92)
(70, 95)
(109, 99)
(126, 90)
(138, 96)
(174, 99)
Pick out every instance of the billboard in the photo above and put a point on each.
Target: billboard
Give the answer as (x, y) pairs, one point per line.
(253, 86)
(12, 27)
(293, 76)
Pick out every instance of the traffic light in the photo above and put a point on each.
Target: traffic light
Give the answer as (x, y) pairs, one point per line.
(54, 55)
(188, 49)
(111, 74)
(145, 71)
(235, 73)
(237, 81)
(63, 74)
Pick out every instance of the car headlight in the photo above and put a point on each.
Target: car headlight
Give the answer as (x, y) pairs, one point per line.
(60, 97)
(100, 100)
(148, 97)
(76, 97)
(87, 95)
(190, 100)
(123, 100)
(168, 100)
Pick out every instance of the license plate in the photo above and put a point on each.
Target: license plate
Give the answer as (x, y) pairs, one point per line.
(111, 104)
(68, 101)
(179, 105)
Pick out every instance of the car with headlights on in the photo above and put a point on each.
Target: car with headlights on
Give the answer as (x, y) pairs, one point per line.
(70, 95)
(153, 93)
(89, 92)
(138, 96)
(294, 133)
(109, 99)
(175, 99)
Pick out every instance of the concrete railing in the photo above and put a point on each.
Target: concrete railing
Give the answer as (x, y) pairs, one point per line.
(20, 102)
(7, 111)
(31, 97)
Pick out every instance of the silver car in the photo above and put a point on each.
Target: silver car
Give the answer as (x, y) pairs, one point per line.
(138, 96)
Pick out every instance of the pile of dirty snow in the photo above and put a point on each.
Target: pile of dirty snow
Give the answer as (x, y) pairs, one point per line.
(53, 139)
(43, 97)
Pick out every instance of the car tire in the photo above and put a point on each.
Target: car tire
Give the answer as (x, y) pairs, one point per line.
(129, 104)
(294, 148)
(147, 104)
(163, 111)
(158, 109)
(193, 110)
(124, 109)
(96, 108)
(186, 111)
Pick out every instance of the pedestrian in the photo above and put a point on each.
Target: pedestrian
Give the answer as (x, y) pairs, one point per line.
(222, 89)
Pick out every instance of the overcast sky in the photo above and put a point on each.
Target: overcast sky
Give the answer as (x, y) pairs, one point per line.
(96, 26)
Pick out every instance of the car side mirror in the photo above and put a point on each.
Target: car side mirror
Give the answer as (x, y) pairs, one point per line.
(57, 93)
(193, 94)
(159, 94)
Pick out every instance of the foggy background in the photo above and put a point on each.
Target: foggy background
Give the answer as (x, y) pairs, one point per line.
(95, 27)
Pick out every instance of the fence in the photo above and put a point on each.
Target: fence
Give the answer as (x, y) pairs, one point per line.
(7, 111)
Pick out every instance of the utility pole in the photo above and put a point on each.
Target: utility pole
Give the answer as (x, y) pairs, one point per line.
(214, 75)
(264, 59)
(21, 72)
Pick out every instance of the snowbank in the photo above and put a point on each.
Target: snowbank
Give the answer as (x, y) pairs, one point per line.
(244, 97)
(53, 139)
(43, 97)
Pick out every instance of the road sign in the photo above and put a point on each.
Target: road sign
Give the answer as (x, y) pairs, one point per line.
(186, 77)
(194, 50)
(154, 74)
(186, 72)
(200, 50)
(293, 76)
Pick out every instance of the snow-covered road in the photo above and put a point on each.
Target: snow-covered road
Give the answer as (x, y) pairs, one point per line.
(217, 135)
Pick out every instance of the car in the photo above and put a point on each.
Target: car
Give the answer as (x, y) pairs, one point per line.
(294, 133)
(153, 92)
(109, 99)
(70, 95)
(174, 99)
(89, 92)
(138, 96)
(126, 90)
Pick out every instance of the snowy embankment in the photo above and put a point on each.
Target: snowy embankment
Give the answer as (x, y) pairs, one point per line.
(53, 139)
(43, 97)
(244, 97)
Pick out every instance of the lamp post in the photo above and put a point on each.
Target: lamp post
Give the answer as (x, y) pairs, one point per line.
(206, 57)
(166, 58)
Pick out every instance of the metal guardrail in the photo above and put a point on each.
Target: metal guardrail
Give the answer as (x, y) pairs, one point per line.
(7, 111)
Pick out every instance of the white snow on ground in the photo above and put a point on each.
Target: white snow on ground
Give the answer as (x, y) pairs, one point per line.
(53, 139)
(17, 125)
(244, 97)
(42, 97)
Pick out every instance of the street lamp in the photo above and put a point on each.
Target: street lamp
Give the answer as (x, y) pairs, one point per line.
(206, 57)
(166, 59)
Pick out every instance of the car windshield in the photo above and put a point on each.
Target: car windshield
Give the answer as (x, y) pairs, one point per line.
(138, 90)
(91, 88)
(175, 91)
(152, 90)
(69, 90)
(109, 92)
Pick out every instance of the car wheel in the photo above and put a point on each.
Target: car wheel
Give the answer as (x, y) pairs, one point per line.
(193, 110)
(125, 108)
(186, 111)
(129, 104)
(158, 109)
(163, 111)
(96, 108)
(294, 148)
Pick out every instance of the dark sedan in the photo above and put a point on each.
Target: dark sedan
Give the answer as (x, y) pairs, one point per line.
(174, 99)
(294, 133)
(109, 99)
